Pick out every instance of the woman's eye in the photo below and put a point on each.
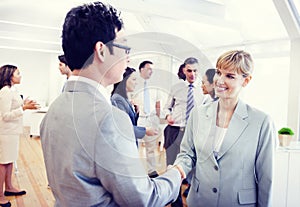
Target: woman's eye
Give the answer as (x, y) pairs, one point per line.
(230, 76)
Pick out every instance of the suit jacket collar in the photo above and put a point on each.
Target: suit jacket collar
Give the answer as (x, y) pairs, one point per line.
(80, 86)
(126, 100)
(92, 83)
(237, 125)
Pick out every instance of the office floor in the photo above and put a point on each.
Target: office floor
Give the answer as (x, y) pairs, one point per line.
(31, 173)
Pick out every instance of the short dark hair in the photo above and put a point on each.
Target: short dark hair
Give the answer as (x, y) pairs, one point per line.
(84, 26)
(144, 63)
(62, 59)
(6, 73)
(191, 61)
(210, 73)
(120, 88)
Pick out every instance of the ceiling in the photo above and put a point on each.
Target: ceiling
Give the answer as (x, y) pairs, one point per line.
(35, 25)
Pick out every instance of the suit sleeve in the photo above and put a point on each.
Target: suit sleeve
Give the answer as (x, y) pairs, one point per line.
(264, 163)
(139, 132)
(187, 156)
(119, 104)
(124, 176)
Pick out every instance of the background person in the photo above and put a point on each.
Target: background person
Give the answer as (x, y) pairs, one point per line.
(229, 143)
(64, 68)
(148, 100)
(183, 96)
(119, 98)
(208, 86)
(11, 126)
(101, 164)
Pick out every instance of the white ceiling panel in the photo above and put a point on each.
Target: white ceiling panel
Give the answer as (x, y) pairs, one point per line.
(207, 24)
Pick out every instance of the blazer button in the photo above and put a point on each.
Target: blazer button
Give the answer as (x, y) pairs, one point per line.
(216, 168)
(215, 190)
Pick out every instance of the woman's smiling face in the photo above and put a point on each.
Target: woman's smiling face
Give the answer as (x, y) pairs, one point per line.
(228, 83)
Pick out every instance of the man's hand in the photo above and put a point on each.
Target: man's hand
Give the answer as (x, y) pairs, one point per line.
(151, 131)
(170, 120)
(179, 168)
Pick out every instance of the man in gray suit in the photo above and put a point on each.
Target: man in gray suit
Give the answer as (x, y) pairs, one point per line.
(89, 147)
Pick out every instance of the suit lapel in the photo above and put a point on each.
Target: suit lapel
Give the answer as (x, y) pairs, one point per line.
(236, 127)
(131, 112)
(130, 106)
(207, 128)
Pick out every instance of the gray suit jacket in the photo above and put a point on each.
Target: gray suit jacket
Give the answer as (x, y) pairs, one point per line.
(91, 157)
(241, 175)
(124, 104)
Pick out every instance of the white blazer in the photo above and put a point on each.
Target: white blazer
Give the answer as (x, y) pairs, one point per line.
(11, 112)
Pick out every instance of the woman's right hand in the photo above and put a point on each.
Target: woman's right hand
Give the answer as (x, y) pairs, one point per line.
(151, 131)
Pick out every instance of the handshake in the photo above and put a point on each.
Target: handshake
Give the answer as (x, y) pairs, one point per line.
(179, 168)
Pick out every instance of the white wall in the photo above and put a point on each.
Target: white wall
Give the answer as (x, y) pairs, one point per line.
(41, 79)
(268, 89)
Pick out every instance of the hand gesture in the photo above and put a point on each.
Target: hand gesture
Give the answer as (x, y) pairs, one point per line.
(170, 120)
(30, 104)
(151, 131)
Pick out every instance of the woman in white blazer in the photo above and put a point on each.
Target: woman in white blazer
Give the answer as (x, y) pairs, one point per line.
(229, 143)
(11, 126)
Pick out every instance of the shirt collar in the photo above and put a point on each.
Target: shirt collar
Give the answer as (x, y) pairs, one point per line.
(187, 84)
(93, 83)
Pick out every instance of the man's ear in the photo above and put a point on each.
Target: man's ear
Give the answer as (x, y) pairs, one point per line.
(247, 80)
(100, 49)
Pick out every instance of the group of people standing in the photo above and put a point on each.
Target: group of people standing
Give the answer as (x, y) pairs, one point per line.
(223, 146)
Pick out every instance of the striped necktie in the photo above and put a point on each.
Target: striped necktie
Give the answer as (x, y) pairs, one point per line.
(190, 101)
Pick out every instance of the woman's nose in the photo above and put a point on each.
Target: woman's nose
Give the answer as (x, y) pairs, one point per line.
(221, 79)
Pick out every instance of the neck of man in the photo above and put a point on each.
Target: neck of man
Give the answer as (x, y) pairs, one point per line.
(92, 73)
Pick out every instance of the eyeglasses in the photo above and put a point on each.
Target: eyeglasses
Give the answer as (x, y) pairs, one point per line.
(126, 48)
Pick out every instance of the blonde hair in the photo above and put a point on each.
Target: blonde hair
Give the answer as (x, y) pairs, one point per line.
(238, 60)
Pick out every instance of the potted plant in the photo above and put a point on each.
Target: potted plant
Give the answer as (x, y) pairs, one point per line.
(285, 136)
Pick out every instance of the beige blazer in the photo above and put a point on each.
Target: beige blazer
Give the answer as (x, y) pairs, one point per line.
(11, 112)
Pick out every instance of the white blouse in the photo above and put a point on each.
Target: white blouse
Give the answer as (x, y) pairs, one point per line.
(219, 138)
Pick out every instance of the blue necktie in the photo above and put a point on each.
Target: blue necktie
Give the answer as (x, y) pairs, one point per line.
(190, 101)
(146, 99)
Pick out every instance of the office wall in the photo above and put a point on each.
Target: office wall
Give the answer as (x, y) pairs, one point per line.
(41, 79)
